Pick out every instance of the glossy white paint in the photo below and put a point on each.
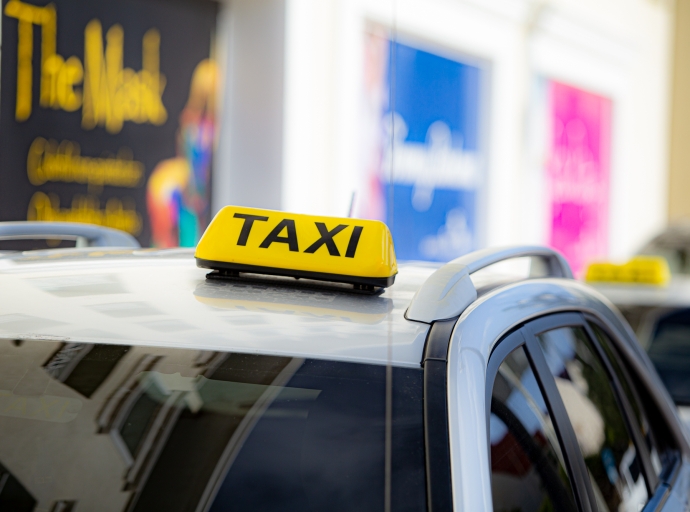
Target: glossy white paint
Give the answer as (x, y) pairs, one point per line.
(160, 298)
(450, 289)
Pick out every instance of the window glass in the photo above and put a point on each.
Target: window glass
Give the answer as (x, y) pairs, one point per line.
(143, 411)
(325, 450)
(610, 455)
(184, 430)
(631, 394)
(669, 350)
(83, 366)
(13, 495)
(527, 470)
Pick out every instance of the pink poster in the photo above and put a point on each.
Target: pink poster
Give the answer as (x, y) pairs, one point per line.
(578, 173)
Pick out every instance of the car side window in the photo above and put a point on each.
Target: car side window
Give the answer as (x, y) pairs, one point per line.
(632, 395)
(609, 453)
(527, 467)
(668, 352)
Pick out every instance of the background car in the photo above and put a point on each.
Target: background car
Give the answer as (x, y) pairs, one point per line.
(658, 310)
(673, 244)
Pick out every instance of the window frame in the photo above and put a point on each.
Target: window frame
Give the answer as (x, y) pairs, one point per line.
(525, 335)
(578, 320)
(666, 480)
(564, 431)
(437, 453)
(633, 357)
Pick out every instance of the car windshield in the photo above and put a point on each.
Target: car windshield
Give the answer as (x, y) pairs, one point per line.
(126, 428)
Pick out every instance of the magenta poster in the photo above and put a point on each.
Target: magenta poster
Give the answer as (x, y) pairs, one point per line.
(578, 173)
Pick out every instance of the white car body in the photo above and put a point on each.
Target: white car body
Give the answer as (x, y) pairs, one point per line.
(160, 300)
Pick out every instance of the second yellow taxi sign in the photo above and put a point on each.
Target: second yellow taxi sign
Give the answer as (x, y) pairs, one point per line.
(354, 251)
(650, 270)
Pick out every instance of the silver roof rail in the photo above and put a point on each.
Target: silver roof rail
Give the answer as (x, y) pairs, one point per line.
(449, 290)
(86, 235)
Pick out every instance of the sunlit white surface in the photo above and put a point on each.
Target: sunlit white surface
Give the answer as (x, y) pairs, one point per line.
(160, 298)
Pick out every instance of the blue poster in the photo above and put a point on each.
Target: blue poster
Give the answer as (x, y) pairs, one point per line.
(430, 168)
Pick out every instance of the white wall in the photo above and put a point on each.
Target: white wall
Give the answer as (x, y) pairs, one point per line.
(618, 48)
(248, 166)
(622, 50)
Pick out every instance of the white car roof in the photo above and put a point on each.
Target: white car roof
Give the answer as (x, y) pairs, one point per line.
(161, 298)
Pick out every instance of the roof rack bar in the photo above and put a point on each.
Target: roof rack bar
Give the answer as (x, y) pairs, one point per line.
(449, 290)
(557, 266)
(95, 236)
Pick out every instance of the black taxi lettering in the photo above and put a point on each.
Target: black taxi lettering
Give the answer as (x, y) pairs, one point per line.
(247, 225)
(290, 238)
(354, 241)
(326, 238)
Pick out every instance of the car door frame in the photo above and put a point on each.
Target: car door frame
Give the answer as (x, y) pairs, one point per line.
(658, 488)
(579, 320)
(568, 442)
(482, 326)
(668, 478)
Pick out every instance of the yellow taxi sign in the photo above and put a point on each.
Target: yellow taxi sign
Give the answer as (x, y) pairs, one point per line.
(355, 251)
(652, 270)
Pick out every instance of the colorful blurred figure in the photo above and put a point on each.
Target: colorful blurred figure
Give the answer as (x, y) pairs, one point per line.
(178, 190)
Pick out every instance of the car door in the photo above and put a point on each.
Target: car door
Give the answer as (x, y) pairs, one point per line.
(574, 397)
(531, 469)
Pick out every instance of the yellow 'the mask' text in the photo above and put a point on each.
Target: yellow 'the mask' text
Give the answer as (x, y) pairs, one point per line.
(111, 94)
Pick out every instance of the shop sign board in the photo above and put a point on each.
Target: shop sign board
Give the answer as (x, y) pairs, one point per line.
(107, 114)
(424, 170)
(577, 173)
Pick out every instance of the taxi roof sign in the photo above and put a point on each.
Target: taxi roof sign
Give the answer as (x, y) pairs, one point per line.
(345, 250)
(651, 270)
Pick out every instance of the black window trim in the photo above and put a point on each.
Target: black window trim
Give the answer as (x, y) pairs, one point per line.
(658, 488)
(657, 494)
(628, 414)
(566, 436)
(578, 320)
(500, 351)
(643, 372)
(439, 491)
(669, 473)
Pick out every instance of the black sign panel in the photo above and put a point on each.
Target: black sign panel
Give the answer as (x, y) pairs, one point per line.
(107, 114)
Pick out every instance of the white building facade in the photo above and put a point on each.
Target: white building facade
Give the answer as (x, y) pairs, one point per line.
(557, 135)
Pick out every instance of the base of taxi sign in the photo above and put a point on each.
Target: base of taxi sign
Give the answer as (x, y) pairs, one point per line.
(233, 270)
(243, 278)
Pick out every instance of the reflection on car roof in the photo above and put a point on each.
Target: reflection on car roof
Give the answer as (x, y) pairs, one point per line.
(160, 297)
